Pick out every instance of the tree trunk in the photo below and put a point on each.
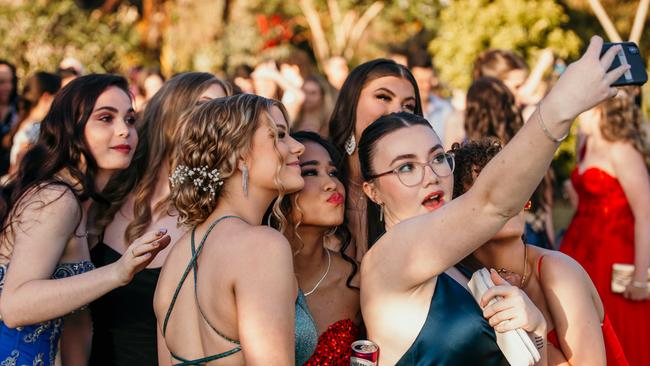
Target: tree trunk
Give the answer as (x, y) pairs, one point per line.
(605, 22)
(639, 21)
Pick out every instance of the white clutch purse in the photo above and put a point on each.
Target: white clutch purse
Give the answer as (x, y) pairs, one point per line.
(515, 345)
(622, 276)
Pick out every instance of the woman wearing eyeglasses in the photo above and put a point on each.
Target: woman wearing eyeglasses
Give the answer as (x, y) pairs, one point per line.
(407, 273)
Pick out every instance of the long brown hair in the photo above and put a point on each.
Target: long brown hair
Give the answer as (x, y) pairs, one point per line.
(491, 111)
(328, 94)
(61, 146)
(622, 121)
(156, 131)
(344, 116)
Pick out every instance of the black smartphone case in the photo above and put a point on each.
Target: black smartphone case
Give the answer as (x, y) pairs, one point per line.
(637, 74)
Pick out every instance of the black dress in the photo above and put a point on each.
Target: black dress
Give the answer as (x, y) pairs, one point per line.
(124, 323)
(454, 333)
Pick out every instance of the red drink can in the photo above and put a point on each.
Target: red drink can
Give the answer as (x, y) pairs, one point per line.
(364, 353)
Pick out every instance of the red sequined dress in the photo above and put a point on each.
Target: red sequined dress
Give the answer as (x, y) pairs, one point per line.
(333, 348)
(601, 234)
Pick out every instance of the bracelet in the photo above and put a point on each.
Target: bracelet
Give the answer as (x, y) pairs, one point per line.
(543, 126)
(640, 284)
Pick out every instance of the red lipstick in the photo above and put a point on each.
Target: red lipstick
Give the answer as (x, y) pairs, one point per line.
(336, 199)
(123, 148)
(433, 200)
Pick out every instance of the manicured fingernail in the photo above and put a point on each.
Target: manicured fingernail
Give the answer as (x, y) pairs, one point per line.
(161, 231)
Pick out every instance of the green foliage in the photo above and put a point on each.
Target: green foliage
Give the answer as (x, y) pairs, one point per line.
(467, 27)
(37, 35)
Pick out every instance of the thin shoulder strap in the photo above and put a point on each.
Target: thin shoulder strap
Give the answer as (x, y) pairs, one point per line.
(196, 269)
(539, 266)
(189, 267)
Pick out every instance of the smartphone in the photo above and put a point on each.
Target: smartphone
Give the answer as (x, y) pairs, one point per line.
(629, 54)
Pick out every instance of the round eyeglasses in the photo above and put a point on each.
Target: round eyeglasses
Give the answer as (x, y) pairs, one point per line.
(411, 173)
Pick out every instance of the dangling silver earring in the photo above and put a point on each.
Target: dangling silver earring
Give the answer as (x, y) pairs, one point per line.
(244, 183)
(381, 213)
(350, 144)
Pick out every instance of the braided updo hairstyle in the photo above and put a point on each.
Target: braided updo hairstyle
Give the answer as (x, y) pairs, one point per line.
(215, 135)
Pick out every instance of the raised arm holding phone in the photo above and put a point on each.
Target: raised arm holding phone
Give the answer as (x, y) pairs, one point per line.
(403, 274)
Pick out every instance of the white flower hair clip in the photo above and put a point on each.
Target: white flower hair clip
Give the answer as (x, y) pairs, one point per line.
(201, 178)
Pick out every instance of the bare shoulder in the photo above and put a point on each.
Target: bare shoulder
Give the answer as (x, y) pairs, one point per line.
(560, 270)
(41, 204)
(49, 195)
(262, 243)
(626, 153)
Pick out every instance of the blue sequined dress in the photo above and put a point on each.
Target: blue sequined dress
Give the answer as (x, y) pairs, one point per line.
(35, 344)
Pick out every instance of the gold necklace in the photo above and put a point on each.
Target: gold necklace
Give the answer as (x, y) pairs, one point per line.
(522, 282)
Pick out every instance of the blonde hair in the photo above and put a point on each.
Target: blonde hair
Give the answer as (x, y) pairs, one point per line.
(215, 135)
(622, 122)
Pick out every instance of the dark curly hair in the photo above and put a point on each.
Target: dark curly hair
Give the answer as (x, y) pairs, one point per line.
(491, 111)
(471, 157)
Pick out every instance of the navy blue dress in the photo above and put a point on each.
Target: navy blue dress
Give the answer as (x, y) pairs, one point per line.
(455, 332)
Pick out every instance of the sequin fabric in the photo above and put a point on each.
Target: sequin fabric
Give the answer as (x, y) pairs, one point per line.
(334, 345)
(35, 345)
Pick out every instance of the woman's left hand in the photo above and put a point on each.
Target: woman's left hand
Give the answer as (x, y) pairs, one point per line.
(513, 310)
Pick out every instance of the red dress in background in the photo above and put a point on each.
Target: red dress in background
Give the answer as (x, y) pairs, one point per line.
(601, 234)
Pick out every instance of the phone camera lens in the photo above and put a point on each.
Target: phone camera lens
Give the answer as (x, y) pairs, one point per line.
(633, 50)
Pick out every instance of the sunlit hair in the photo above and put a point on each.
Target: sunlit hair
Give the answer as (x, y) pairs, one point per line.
(491, 111)
(215, 135)
(622, 121)
(156, 131)
(327, 105)
(61, 147)
(291, 209)
(497, 64)
(368, 145)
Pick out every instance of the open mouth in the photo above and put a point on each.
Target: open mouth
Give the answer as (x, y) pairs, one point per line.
(433, 200)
